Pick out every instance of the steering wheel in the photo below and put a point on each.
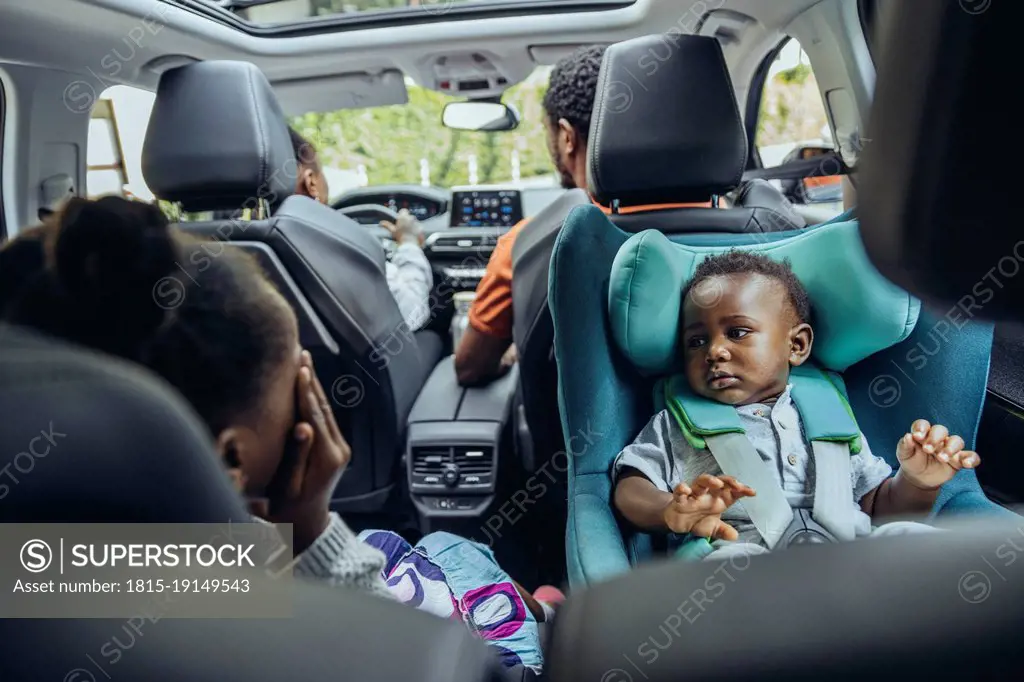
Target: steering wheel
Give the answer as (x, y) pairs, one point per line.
(377, 211)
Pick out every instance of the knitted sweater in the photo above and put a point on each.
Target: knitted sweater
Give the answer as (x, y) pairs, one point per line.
(338, 557)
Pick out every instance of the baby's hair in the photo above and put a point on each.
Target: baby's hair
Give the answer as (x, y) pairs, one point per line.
(112, 275)
(736, 262)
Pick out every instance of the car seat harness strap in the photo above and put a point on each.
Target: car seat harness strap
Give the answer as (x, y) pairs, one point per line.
(768, 510)
(832, 431)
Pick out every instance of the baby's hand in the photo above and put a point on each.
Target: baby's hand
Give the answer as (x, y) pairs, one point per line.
(697, 508)
(929, 456)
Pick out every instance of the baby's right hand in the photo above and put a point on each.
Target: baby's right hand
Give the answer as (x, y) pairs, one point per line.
(697, 508)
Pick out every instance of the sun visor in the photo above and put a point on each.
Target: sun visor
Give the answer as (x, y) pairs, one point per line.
(936, 185)
(341, 91)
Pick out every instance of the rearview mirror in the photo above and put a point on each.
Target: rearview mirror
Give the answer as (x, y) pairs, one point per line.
(484, 116)
(821, 187)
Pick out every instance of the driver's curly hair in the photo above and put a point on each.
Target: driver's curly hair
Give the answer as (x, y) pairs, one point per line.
(570, 93)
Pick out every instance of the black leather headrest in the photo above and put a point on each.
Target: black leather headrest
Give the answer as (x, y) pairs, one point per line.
(76, 418)
(665, 127)
(928, 182)
(217, 139)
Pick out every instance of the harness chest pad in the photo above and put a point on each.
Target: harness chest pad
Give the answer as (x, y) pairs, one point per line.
(819, 397)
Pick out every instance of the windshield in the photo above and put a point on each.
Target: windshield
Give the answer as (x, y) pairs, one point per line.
(407, 144)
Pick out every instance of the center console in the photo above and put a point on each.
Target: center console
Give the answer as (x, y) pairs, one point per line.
(454, 439)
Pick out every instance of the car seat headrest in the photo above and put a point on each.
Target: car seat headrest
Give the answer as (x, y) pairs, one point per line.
(856, 312)
(665, 127)
(217, 139)
(93, 439)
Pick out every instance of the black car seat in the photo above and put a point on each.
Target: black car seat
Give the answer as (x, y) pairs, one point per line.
(90, 438)
(218, 140)
(684, 142)
(680, 139)
(861, 605)
(758, 193)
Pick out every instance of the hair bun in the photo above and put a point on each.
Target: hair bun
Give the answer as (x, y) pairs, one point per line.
(108, 256)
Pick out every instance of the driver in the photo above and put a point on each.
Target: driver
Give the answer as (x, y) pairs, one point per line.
(486, 350)
(409, 275)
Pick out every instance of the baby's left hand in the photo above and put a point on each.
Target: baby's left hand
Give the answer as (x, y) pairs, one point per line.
(929, 456)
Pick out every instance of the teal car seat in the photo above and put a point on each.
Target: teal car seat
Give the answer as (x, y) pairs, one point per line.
(673, 134)
(614, 302)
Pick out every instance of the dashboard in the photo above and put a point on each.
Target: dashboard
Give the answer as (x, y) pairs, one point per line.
(493, 206)
(423, 202)
(461, 225)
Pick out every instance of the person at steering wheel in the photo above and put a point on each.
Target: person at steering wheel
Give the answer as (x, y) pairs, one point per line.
(409, 275)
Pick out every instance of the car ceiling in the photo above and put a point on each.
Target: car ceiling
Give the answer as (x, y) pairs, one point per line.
(150, 36)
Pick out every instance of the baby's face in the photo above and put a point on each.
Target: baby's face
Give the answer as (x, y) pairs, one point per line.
(740, 337)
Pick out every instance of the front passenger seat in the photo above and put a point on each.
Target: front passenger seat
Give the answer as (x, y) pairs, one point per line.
(218, 140)
(678, 139)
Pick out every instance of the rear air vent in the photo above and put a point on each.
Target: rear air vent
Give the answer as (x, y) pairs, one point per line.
(473, 460)
(428, 465)
(474, 465)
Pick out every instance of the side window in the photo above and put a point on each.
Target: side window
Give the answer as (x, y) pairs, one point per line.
(106, 173)
(792, 124)
(116, 133)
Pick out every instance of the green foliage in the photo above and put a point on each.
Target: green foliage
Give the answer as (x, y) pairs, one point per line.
(798, 75)
(172, 210)
(791, 108)
(390, 141)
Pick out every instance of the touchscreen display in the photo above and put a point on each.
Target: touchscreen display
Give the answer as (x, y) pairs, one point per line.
(486, 208)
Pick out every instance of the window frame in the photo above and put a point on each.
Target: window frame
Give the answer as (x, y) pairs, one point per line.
(756, 90)
(104, 109)
(758, 83)
(393, 18)
(3, 131)
(754, 99)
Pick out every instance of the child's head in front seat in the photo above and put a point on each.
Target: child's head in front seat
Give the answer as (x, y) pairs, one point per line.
(111, 274)
(744, 321)
(310, 181)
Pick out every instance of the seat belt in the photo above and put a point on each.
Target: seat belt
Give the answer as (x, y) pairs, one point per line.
(819, 166)
(768, 509)
(833, 507)
(718, 428)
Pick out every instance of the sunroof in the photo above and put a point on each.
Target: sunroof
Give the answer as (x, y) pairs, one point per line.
(291, 13)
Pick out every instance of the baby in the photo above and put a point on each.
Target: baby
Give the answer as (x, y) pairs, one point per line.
(745, 323)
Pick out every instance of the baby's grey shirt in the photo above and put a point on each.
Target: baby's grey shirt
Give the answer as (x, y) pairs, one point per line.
(662, 454)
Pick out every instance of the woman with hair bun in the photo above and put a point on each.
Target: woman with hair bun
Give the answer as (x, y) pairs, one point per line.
(114, 276)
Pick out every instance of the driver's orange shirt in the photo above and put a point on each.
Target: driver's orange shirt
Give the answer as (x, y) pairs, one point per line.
(491, 311)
